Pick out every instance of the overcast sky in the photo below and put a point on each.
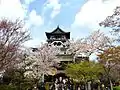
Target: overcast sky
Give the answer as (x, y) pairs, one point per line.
(80, 17)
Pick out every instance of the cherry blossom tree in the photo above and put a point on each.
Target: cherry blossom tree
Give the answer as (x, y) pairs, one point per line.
(110, 59)
(40, 62)
(113, 22)
(97, 41)
(12, 36)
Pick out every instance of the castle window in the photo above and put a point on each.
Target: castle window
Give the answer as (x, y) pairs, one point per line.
(55, 43)
(59, 43)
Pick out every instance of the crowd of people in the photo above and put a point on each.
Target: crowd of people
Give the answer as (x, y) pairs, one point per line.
(62, 84)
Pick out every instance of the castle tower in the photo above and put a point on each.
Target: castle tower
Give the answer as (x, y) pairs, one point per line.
(58, 38)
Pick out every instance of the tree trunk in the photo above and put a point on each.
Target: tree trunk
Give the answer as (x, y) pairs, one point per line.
(43, 77)
(98, 87)
(89, 85)
(111, 85)
(86, 86)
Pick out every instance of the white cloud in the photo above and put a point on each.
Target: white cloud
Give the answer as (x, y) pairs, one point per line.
(55, 5)
(56, 11)
(34, 42)
(34, 19)
(34, 22)
(93, 12)
(28, 1)
(12, 9)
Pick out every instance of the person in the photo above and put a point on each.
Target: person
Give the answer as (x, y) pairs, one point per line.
(64, 81)
(56, 86)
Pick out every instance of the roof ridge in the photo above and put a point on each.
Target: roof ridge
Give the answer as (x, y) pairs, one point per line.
(58, 30)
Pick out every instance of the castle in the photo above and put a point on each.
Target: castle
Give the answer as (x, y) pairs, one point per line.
(61, 39)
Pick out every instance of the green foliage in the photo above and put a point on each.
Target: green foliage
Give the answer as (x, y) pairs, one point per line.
(8, 87)
(47, 85)
(116, 88)
(84, 71)
(14, 87)
(15, 79)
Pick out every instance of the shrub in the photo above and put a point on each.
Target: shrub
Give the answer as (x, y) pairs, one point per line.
(116, 88)
(8, 87)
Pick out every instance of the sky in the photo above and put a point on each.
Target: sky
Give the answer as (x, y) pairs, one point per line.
(80, 17)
